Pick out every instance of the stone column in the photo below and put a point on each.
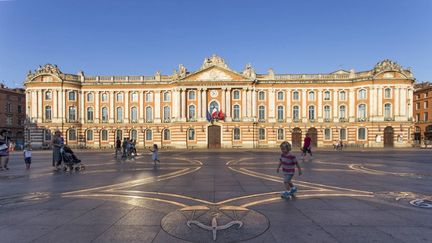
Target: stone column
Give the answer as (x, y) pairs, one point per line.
(228, 104)
(249, 103)
(288, 105)
(403, 103)
(204, 102)
(335, 105)
(175, 109)
(39, 106)
(141, 106)
(183, 104)
(320, 105)
(55, 105)
(351, 99)
(304, 106)
(126, 107)
(254, 103)
(199, 100)
(396, 102)
(81, 106)
(34, 106)
(410, 104)
(271, 108)
(111, 112)
(380, 101)
(96, 109)
(157, 106)
(243, 107)
(372, 105)
(223, 103)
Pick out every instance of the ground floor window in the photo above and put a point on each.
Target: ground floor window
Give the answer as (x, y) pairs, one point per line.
(236, 133)
(191, 134)
(149, 135)
(166, 134)
(134, 134)
(261, 134)
(280, 134)
(104, 135)
(72, 134)
(89, 135)
(327, 134)
(342, 134)
(362, 133)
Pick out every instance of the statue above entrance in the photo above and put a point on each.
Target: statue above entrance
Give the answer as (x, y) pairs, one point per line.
(214, 60)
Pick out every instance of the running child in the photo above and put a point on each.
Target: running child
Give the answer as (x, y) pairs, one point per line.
(27, 156)
(288, 162)
(155, 157)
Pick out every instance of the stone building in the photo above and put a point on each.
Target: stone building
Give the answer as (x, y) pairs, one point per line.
(371, 108)
(12, 112)
(423, 112)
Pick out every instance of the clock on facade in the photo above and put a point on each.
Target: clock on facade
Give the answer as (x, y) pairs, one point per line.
(214, 93)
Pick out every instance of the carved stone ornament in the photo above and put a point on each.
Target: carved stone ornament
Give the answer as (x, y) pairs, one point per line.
(249, 71)
(158, 76)
(182, 70)
(271, 74)
(46, 69)
(387, 65)
(214, 60)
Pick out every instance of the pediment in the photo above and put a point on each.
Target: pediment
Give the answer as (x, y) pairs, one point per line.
(215, 74)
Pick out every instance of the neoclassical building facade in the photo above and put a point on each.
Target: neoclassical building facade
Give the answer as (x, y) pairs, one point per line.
(370, 108)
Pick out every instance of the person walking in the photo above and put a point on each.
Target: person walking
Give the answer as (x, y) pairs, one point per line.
(155, 155)
(57, 144)
(27, 156)
(307, 146)
(118, 147)
(288, 162)
(4, 150)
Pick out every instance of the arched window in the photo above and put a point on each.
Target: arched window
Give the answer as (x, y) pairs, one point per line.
(104, 97)
(327, 95)
(387, 111)
(261, 113)
(261, 134)
(119, 97)
(104, 114)
(134, 97)
(48, 112)
(149, 134)
(296, 95)
(327, 134)
(166, 96)
(214, 106)
(280, 95)
(48, 95)
(362, 94)
(326, 112)
(167, 114)
(236, 95)
(342, 95)
(119, 117)
(166, 134)
(261, 95)
(362, 133)
(311, 112)
(89, 114)
(134, 114)
(311, 95)
(72, 134)
(236, 115)
(149, 96)
(89, 135)
(342, 112)
(191, 95)
(280, 134)
(362, 111)
(387, 93)
(280, 113)
(236, 133)
(296, 112)
(119, 134)
(191, 134)
(72, 95)
(149, 114)
(134, 134)
(342, 134)
(191, 112)
(72, 113)
(104, 134)
(89, 97)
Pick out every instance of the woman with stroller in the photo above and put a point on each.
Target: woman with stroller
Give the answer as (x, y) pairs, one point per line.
(4, 150)
(57, 144)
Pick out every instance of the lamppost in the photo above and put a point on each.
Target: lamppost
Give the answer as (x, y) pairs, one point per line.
(254, 126)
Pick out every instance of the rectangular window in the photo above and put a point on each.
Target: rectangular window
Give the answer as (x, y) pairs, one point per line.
(418, 106)
(191, 134)
(417, 117)
(342, 134)
(327, 95)
(236, 134)
(426, 118)
(261, 135)
(362, 133)
(425, 105)
(327, 134)
(72, 95)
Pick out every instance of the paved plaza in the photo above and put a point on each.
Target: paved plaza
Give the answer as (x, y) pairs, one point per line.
(219, 196)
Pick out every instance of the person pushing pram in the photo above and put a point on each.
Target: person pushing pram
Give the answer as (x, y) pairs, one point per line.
(70, 160)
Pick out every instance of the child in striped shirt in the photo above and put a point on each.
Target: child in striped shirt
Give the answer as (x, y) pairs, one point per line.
(288, 162)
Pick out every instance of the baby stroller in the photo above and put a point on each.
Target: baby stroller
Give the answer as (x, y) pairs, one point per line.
(70, 161)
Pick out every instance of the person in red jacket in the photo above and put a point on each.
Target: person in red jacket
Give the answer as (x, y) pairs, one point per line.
(307, 145)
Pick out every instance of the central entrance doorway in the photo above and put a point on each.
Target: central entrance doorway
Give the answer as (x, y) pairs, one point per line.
(313, 134)
(388, 137)
(214, 137)
(296, 137)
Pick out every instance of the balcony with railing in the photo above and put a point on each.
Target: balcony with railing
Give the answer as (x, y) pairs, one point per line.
(261, 120)
(296, 120)
(69, 120)
(281, 120)
(389, 119)
(327, 119)
(148, 121)
(343, 119)
(166, 120)
(191, 119)
(362, 119)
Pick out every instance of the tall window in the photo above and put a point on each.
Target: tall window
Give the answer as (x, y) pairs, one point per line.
(191, 95)
(236, 112)
(261, 95)
(19, 108)
(119, 134)
(134, 114)
(89, 97)
(342, 112)
(149, 114)
(149, 134)
(280, 134)
(149, 96)
(89, 114)
(362, 94)
(342, 134)
(72, 134)
(387, 111)
(166, 134)
(166, 96)
(296, 112)
(280, 95)
(261, 112)
(134, 134)
(104, 97)
(48, 112)
(236, 95)
(425, 116)
(280, 113)
(191, 134)
(167, 113)
(48, 95)
(296, 95)
(342, 95)
(311, 112)
(72, 95)
(104, 114)
(362, 111)
(326, 112)
(236, 133)
(119, 117)
(191, 113)
(327, 134)
(72, 113)
(89, 135)
(104, 134)
(362, 133)
(134, 97)
(261, 134)
(311, 95)
(387, 93)
(119, 97)
(327, 95)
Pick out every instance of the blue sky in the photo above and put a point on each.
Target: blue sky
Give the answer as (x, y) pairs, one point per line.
(126, 37)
